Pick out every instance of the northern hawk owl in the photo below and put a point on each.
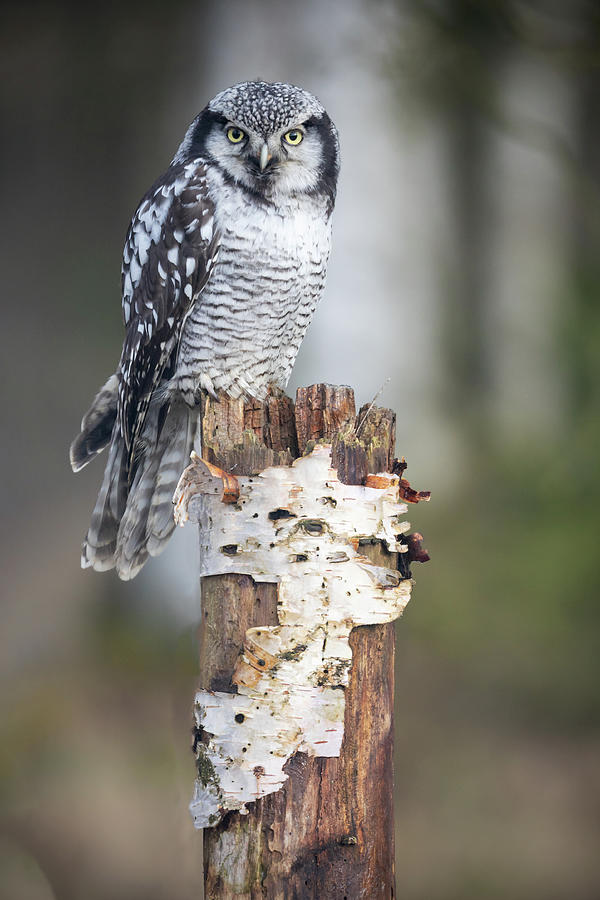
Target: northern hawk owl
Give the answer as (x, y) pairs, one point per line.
(223, 266)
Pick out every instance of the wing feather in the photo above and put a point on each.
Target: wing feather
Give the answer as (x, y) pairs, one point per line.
(169, 251)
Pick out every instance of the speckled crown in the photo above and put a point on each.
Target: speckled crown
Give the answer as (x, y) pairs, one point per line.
(266, 107)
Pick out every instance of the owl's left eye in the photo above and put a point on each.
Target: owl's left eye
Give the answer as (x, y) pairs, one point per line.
(293, 137)
(235, 135)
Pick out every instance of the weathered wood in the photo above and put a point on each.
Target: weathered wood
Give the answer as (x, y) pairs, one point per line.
(273, 422)
(376, 430)
(245, 437)
(365, 444)
(230, 605)
(329, 832)
(322, 410)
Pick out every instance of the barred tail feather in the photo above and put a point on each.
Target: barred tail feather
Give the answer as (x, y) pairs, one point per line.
(133, 519)
(100, 545)
(96, 426)
(177, 440)
(147, 523)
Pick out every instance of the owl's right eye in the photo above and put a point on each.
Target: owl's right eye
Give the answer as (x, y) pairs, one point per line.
(235, 135)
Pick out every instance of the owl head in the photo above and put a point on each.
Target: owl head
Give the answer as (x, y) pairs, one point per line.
(272, 139)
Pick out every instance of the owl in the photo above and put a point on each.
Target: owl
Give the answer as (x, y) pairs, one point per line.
(223, 265)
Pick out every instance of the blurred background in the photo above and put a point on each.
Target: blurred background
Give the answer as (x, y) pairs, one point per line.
(466, 277)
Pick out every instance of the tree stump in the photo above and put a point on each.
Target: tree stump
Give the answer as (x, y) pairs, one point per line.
(328, 832)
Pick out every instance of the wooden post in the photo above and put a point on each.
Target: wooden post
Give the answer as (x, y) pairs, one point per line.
(329, 831)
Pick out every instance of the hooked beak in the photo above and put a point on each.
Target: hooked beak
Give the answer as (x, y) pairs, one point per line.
(264, 157)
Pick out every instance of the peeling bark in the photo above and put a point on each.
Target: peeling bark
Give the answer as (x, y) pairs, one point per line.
(300, 527)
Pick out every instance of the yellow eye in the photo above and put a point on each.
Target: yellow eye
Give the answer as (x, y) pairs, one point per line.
(235, 135)
(293, 137)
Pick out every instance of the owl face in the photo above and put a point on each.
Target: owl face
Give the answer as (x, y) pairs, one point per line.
(274, 140)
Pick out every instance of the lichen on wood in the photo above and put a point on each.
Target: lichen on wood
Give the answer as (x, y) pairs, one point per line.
(301, 527)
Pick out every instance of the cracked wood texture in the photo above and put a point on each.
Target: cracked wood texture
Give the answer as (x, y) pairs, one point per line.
(329, 833)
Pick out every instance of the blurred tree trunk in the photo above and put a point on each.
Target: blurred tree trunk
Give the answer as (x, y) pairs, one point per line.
(583, 312)
(461, 49)
(466, 293)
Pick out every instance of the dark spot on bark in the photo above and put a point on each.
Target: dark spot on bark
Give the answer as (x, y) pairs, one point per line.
(280, 513)
(349, 840)
(328, 501)
(239, 718)
(294, 653)
(313, 526)
(197, 735)
(229, 549)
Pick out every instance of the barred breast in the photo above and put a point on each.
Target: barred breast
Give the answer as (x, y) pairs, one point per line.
(245, 329)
